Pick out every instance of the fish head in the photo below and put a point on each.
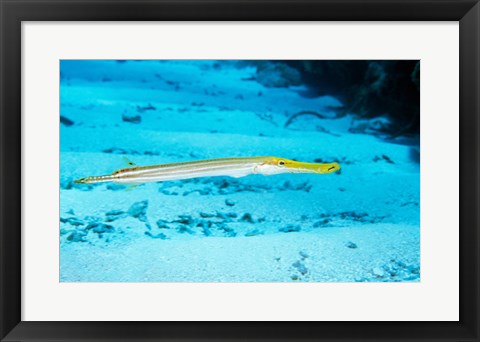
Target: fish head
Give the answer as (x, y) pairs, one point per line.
(276, 165)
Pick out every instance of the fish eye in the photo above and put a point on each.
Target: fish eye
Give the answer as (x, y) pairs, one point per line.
(281, 162)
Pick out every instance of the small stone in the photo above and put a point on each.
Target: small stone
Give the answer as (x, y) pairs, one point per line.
(247, 218)
(204, 192)
(253, 232)
(223, 216)
(300, 267)
(66, 121)
(206, 231)
(162, 224)
(135, 119)
(303, 254)
(360, 279)
(321, 223)
(139, 210)
(350, 244)
(414, 269)
(391, 269)
(118, 150)
(156, 236)
(230, 234)
(354, 216)
(100, 228)
(72, 220)
(206, 215)
(230, 203)
(114, 212)
(76, 222)
(93, 218)
(224, 227)
(76, 237)
(142, 109)
(411, 277)
(113, 215)
(294, 277)
(204, 223)
(378, 272)
(184, 229)
(224, 183)
(388, 159)
(185, 219)
(290, 228)
(116, 186)
(66, 183)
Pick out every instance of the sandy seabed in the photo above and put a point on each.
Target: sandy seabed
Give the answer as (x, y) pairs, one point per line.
(321, 256)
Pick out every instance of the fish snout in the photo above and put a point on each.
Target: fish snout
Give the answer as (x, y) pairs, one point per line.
(329, 168)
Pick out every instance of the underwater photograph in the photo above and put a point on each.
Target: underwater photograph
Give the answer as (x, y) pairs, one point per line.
(239, 171)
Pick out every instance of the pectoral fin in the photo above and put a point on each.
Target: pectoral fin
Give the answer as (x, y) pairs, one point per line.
(131, 187)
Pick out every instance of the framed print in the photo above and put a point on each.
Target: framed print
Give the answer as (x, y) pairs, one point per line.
(218, 174)
(239, 171)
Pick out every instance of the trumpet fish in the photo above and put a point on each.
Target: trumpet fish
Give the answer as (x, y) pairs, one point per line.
(233, 167)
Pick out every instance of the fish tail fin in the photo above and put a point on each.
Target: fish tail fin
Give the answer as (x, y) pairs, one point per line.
(95, 179)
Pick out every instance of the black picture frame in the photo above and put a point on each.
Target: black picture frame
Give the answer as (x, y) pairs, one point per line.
(13, 12)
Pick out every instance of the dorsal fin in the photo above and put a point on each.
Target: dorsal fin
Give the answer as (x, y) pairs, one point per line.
(129, 162)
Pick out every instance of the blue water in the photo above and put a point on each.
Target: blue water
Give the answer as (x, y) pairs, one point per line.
(360, 224)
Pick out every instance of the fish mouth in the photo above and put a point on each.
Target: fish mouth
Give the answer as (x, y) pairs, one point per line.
(329, 168)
